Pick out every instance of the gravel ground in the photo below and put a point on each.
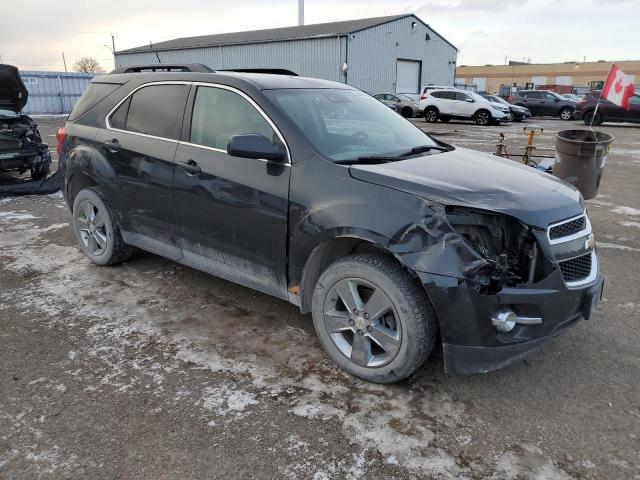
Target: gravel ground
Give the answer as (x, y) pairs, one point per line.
(154, 370)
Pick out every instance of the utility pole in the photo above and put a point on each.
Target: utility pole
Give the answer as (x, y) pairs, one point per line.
(300, 13)
(64, 60)
(505, 59)
(113, 49)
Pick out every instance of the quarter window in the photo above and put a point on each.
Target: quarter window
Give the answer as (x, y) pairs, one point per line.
(219, 113)
(153, 110)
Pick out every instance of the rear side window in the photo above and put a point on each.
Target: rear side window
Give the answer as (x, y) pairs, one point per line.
(94, 94)
(218, 114)
(153, 110)
(536, 95)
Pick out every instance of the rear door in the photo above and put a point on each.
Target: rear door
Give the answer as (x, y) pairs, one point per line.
(532, 100)
(231, 212)
(442, 100)
(140, 141)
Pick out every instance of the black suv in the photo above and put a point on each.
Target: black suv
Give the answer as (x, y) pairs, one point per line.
(316, 193)
(544, 102)
(21, 146)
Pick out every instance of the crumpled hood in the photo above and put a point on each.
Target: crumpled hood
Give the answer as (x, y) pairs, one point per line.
(13, 93)
(469, 178)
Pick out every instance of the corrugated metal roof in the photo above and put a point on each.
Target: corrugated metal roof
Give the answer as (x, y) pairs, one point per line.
(269, 35)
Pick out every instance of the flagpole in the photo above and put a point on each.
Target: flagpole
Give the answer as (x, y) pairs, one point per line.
(595, 111)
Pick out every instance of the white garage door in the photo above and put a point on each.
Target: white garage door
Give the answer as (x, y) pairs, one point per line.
(481, 83)
(564, 80)
(408, 76)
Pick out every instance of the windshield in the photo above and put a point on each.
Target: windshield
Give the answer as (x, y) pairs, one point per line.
(477, 97)
(404, 97)
(347, 124)
(496, 99)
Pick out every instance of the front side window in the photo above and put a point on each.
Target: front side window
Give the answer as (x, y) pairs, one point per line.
(152, 110)
(344, 124)
(462, 97)
(219, 114)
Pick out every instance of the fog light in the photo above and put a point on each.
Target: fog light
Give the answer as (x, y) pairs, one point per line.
(504, 319)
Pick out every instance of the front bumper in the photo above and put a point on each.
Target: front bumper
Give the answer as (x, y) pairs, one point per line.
(24, 158)
(470, 342)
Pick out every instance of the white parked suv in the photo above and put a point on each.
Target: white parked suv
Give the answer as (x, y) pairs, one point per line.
(445, 104)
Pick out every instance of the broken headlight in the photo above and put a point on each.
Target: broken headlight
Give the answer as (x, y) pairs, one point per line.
(506, 246)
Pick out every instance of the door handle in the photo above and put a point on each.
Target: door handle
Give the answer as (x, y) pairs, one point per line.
(190, 167)
(112, 145)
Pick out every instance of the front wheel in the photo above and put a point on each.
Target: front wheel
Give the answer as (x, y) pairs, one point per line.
(566, 114)
(482, 118)
(372, 319)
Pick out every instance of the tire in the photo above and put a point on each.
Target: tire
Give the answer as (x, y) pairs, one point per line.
(512, 117)
(96, 229)
(444, 119)
(597, 120)
(482, 118)
(39, 171)
(407, 329)
(566, 114)
(431, 114)
(407, 112)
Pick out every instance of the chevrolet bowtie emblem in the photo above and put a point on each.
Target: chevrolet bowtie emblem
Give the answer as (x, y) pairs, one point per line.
(590, 242)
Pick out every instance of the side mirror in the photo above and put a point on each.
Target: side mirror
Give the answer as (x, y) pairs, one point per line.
(253, 145)
(470, 100)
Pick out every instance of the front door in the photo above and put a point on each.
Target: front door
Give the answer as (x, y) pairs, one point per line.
(140, 142)
(231, 212)
(463, 105)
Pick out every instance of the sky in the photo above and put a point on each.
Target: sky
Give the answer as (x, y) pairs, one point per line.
(485, 31)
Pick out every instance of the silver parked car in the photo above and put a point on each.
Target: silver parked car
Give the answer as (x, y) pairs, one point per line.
(405, 106)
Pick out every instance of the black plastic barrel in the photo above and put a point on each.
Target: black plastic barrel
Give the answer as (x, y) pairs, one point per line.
(580, 159)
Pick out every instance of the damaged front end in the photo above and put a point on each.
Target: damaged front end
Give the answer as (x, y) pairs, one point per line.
(495, 284)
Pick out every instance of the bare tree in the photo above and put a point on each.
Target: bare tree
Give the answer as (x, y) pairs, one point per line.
(88, 65)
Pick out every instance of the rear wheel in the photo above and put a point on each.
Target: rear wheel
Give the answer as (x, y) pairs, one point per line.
(372, 319)
(96, 229)
(588, 117)
(566, 113)
(431, 114)
(407, 112)
(482, 118)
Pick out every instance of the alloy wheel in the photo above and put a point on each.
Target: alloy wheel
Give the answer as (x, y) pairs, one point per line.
(92, 228)
(362, 322)
(565, 114)
(482, 118)
(431, 116)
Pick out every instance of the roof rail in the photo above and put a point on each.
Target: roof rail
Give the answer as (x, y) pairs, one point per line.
(274, 71)
(163, 67)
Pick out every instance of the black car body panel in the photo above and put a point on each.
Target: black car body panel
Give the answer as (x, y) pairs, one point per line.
(273, 225)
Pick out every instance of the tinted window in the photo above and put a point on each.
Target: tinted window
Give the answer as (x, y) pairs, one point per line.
(218, 114)
(445, 95)
(462, 97)
(550, 96)
(536, 95)
(95, 93)
(156, 110)
(118, 118)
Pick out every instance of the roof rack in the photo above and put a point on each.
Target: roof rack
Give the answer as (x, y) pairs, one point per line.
(164, 67)
(274, 71)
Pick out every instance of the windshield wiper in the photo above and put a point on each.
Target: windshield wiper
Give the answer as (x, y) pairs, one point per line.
(376, 159)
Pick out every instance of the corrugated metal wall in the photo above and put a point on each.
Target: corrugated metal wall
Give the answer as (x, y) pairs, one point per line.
(53, 92)
(372, 55)
(319, 58)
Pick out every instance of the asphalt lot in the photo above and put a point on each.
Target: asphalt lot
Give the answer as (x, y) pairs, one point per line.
(154, 370)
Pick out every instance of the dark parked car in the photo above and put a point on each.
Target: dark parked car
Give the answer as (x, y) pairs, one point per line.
(517, 114)
(316, 193)
(405, 106)
(21, 146)
(544, 102)
(607, 111)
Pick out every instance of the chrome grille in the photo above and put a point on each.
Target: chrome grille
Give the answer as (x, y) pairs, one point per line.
(568, 228)
(576, 269)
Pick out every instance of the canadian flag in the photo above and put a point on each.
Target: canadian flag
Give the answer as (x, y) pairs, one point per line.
(618, 88)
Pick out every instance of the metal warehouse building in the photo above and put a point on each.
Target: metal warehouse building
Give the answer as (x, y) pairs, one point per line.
(385, 54)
